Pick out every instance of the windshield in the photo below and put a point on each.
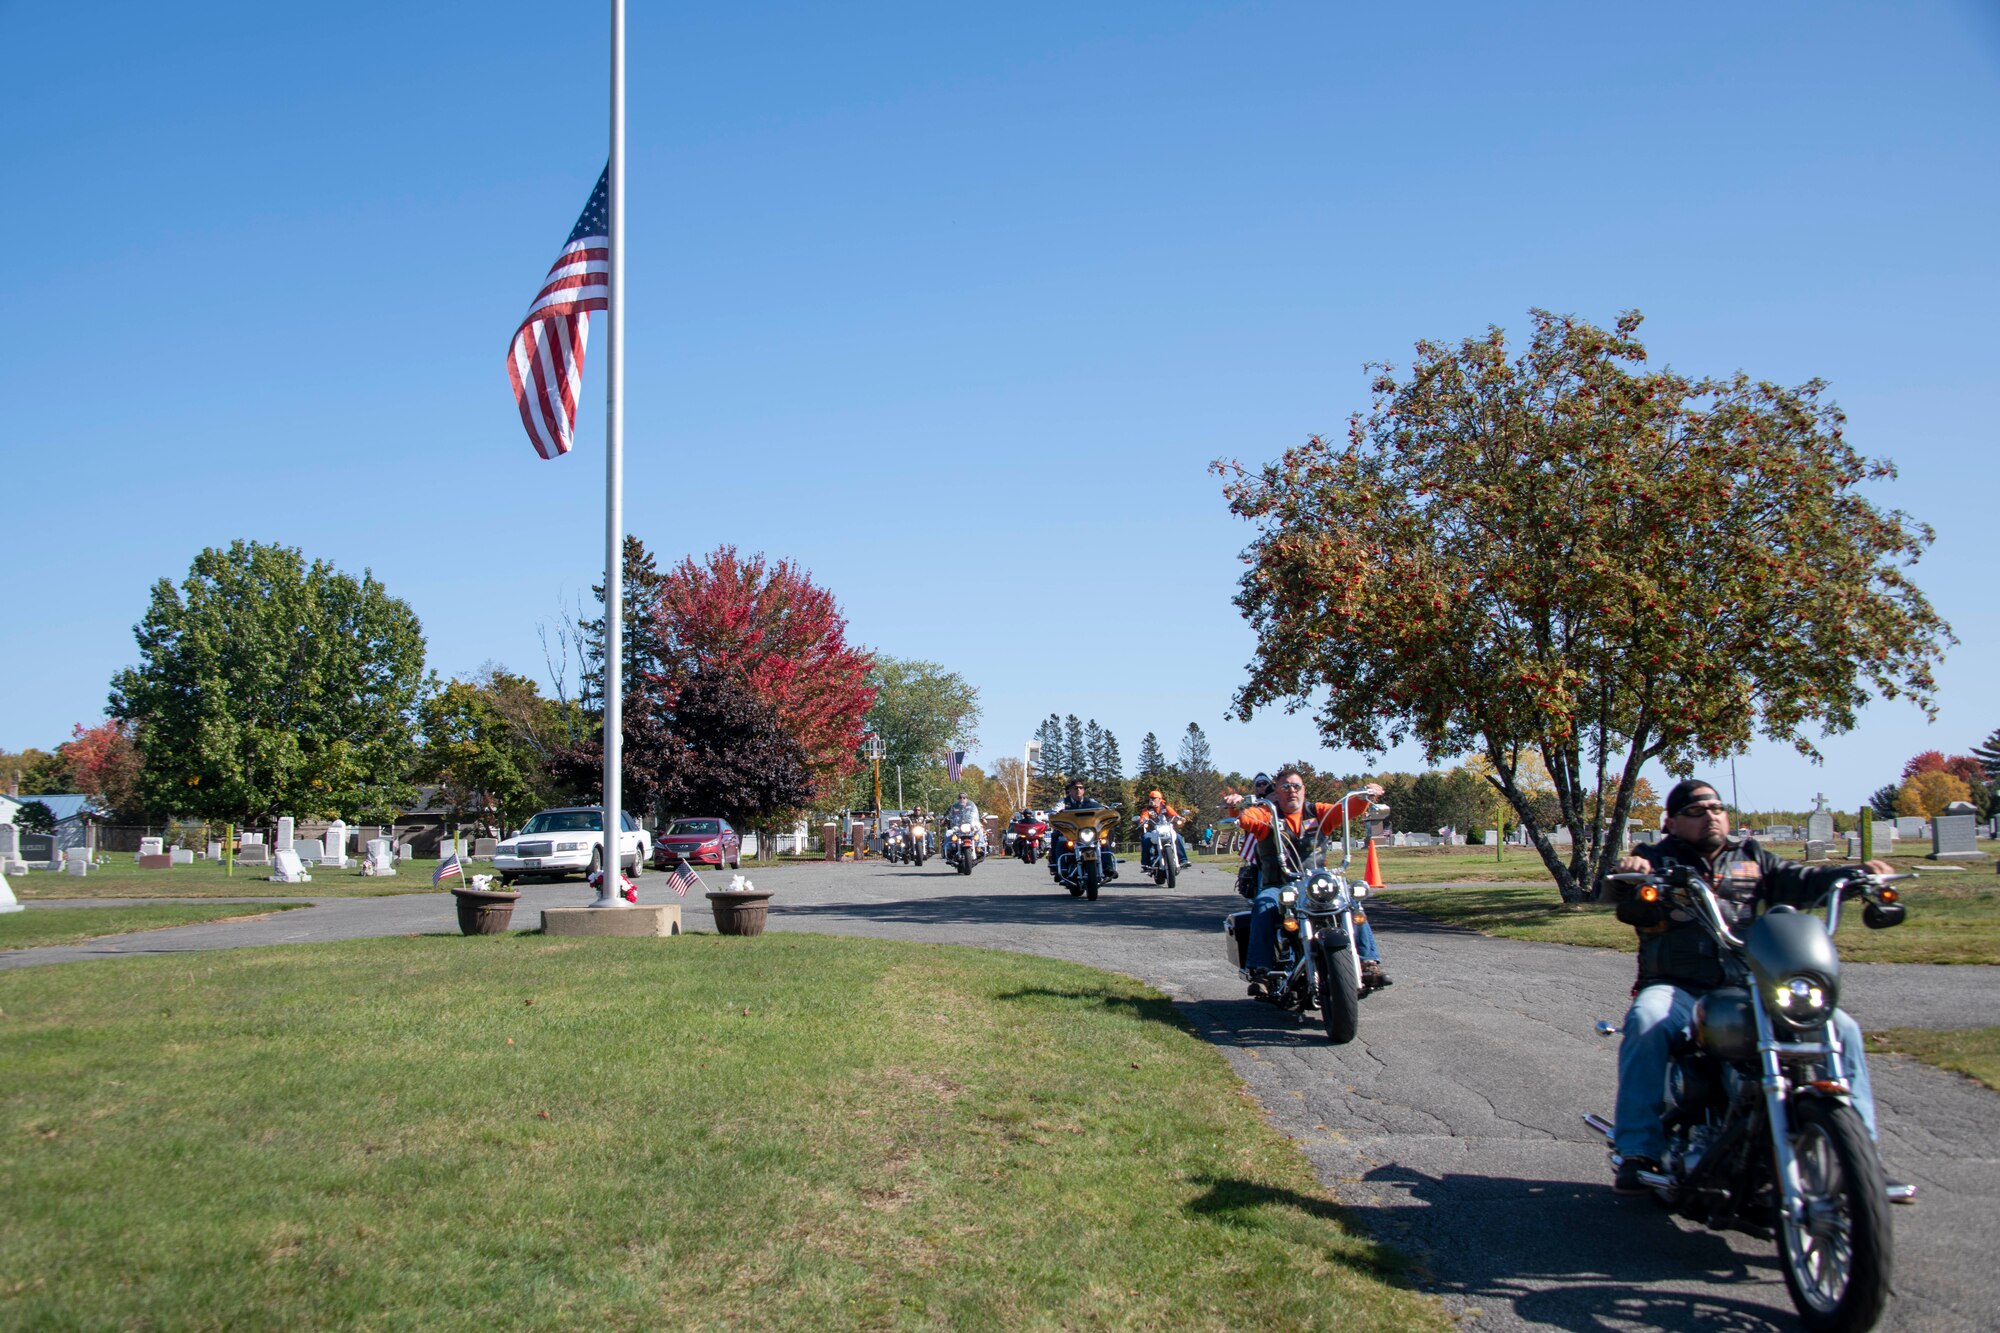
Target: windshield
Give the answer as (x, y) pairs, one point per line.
(695, 826)
(566, 821)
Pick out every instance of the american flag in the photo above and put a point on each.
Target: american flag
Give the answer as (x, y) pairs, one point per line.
(682, 877)
(954, 765)
(449, 868)
(545, 360)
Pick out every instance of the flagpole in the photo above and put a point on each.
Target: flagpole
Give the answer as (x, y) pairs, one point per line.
(614, 486)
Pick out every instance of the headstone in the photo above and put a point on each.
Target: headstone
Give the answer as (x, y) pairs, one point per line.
(482, 848)
(288, 829)
(214, 850)
(1819, 827)
(39, 849)
(376, 860)
(1493, 837)
(1854, 846)
(405, 851)
(253, 840)
(1560, 837)
(155, 861)
(253, 854)
(1815, 849)
(76, 861)
(152, 847)
(10, 851)
(334, 849)
(308, 850)
(288, 868)
(8, 902)
(1909, 826)
(1956, 838)
(181, 856)
(1885, 834)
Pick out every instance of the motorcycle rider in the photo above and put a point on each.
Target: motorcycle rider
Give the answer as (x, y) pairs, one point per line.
(1156, 806)
(964, 811)
(1289, 812)
(1678, 961)
(1074, 799)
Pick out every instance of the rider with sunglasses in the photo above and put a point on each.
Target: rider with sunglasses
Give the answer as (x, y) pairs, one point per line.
(1678, 960)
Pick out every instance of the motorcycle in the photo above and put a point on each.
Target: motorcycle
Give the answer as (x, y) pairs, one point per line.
(961, 847)
(1318, 963)
(916, 844)
(895, 846)
(1762, 1132)
(1162, 849)
(1030, 839)
(1077, 839)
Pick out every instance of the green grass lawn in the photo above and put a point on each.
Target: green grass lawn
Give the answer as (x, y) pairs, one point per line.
(122, 878)
(1974, 1052)
(1952, 919)
(790, 1131)
(73, 925)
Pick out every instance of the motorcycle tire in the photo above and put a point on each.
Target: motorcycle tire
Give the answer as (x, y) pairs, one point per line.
(1091, 871)
(1075, 890)
(1173, 870)
(1339, 993)
(964, 863)
(1838, 1165)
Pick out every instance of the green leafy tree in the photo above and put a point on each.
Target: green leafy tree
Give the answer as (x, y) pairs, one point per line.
(1564, 554)
(36, 772)
(922, 712)
(1929, 792)
(267, 685)
(487, 769)
(36, 817)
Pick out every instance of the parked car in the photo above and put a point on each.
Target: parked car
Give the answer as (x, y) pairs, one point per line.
(568, 841)
(704, 842)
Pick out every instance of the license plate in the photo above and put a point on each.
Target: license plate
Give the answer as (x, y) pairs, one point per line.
(533, 863)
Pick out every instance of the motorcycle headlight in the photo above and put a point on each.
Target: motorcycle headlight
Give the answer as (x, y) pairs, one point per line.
(1802, 1000)
(1287, 897)
(1088, 835)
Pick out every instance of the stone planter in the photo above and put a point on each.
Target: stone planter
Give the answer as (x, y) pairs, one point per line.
(483, 912)
(740, 912)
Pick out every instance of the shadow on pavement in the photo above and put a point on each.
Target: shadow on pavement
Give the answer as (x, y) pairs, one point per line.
(1573, 1256)
(1053, 907)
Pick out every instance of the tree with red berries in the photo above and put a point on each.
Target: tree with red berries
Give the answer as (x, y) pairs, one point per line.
(1558, 554)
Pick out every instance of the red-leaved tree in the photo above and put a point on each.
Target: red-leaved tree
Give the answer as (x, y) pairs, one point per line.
(103, 762)
(1961, 766)
(769, 626)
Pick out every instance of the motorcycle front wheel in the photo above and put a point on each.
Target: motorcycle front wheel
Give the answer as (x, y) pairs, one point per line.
(1838, 1259)
(1173, 867)
(1339, 993)
(1091, 871)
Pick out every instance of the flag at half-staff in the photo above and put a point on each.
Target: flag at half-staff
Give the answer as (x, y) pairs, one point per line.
(545, 360)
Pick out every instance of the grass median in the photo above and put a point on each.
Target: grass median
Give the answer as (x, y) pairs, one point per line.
(781, 1132)
(121, 877)
(74, 925)
(1952, 919)
(1974, 1052)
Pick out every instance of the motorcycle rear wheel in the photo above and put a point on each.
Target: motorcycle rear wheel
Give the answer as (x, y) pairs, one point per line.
(1339, 993)
(1838, 1262)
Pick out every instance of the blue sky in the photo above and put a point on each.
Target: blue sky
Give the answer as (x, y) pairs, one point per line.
(939, 301)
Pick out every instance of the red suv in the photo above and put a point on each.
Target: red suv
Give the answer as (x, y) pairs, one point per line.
(704, 842)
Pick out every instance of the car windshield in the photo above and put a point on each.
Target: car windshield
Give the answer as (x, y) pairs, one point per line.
(694, 826)
(566, 821)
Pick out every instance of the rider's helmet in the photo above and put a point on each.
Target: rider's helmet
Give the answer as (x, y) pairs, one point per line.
(1261, 784)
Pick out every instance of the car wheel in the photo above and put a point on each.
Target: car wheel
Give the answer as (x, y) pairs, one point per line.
(596, 862)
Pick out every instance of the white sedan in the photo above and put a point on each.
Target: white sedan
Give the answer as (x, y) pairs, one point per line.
(569, 841)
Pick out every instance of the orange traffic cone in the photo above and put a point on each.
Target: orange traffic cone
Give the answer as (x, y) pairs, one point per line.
(1372, 875)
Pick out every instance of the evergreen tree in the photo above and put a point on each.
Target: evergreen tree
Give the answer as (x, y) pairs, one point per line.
(1076, 751)
(1988, 756)
(1152, 760)
(1093, 752)
(1200, 784)
(1109, 776)
(1883, 802)
(1045, 783)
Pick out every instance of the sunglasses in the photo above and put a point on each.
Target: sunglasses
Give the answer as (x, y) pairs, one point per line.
(1702, 808)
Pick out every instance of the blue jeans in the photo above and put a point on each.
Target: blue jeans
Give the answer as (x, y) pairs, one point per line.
(1145, 852)
(1263, 949)
(1657, 1013)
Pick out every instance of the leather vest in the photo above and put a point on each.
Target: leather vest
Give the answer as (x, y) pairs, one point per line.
(1282, 850)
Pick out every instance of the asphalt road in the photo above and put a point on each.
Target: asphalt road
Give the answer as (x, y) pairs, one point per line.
(1450, 1127)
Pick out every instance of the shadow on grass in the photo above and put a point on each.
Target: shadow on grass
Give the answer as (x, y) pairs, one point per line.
(1158, 1009)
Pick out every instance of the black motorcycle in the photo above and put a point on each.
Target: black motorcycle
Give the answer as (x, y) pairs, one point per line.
(1318, 963)
(1762, 1133)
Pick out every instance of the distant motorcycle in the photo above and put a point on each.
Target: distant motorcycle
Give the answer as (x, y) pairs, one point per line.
(961, 847)
(1762, 1132)
(1162, 849)
(1030, 838)
(916, 844)
(1077, 839)
(895, 846)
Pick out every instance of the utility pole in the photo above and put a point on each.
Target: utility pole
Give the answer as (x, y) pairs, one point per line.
(875, 750)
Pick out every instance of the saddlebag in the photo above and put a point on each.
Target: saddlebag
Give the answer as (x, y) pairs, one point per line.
(1236, 938)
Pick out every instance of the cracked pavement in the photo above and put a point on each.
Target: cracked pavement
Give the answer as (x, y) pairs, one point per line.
(1449, 1128)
